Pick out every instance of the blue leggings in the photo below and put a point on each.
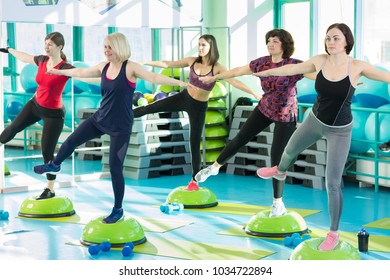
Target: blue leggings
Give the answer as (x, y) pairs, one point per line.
(196, 111)
(338, 144)
(256, 123)
(86, 131)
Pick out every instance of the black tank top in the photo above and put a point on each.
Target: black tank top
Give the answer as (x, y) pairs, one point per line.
(334, 98)
(115, 115)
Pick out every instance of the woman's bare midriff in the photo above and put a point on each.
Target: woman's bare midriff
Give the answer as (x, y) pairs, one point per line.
(198, 93)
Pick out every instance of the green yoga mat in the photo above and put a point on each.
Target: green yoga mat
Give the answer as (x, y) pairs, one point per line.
(189, 250)
(382, 224)
(247, 209)
(148, 224)
(378, 243)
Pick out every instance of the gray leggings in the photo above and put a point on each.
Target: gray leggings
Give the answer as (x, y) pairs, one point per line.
(338, 144)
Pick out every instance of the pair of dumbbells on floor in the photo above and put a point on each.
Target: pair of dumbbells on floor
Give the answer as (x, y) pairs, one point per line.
(106, 246)
(295, 239)
(4, 215)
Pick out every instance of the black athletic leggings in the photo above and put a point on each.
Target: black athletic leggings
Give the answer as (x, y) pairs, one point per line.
(86, 131)
(196, 112)
(256, 123)
(53, 122)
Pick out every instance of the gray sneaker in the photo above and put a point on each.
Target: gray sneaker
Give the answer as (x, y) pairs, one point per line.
(277, 209)
(203, 174)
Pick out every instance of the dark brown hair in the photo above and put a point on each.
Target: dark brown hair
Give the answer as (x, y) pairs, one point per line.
(59, 40)
(213, 53)
(286, 39)
(347, 33)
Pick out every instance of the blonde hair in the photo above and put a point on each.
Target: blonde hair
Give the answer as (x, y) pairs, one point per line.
(120, 45)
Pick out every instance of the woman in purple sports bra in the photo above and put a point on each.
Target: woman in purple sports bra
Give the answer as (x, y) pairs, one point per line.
(337, 76)
(193, 99)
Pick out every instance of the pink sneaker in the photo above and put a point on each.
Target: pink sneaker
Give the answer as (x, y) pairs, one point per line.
(330, 242)
(270, 172)
(192, 186)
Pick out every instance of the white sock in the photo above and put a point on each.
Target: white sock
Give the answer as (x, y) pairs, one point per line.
(277, 200)
(215, 167)
(50, 185)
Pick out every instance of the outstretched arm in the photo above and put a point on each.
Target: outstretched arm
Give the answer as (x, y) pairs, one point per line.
(91, 72)
(170, 64)
(290, 69)
(22, 56)
(373, 73)
(227, 74)
(136, 70)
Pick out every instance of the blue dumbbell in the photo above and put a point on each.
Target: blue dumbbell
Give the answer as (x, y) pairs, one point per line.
(95, 249)
(287, 241)
(306, 237)
(169, 208)
(4, 215)
(127, 249)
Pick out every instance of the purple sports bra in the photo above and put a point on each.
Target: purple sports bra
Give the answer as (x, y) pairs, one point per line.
(194, 79)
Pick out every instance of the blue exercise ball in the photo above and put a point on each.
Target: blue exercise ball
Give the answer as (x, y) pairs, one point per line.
(13, 109)
(371, 93)
(84, 100)
(68, 107)
(80, 86)
(306, 91)
(27, 78)
(137, 95)
(358, 132)
(95, 88)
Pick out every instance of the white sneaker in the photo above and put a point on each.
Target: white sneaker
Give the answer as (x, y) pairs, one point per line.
(203, 174)
(277, 209)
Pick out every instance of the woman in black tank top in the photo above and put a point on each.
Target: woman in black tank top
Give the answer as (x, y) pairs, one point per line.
(114, 117)
(337, 78)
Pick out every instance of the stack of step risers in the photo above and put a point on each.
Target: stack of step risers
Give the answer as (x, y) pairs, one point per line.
(308, 170)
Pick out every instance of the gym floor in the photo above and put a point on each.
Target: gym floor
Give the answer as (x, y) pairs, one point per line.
(205, 234)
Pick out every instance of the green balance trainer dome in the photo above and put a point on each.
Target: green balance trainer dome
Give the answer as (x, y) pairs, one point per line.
(213, 144)
(211, 156)
(281, 226)
(216, 132)
(308, 250)
(218, 91)
(214, 118)
(201, 198)
(125, 230)
(47, 208)
(170, 72)
(218, 104)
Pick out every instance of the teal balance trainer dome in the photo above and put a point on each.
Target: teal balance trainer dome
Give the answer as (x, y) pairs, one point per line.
(201, 198)
(308, 250)
(281, 226)
(118, 234)
(47, 208)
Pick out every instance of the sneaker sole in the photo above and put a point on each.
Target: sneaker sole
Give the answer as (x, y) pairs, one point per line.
(52, 173)
(201, 181)
(269, 177)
